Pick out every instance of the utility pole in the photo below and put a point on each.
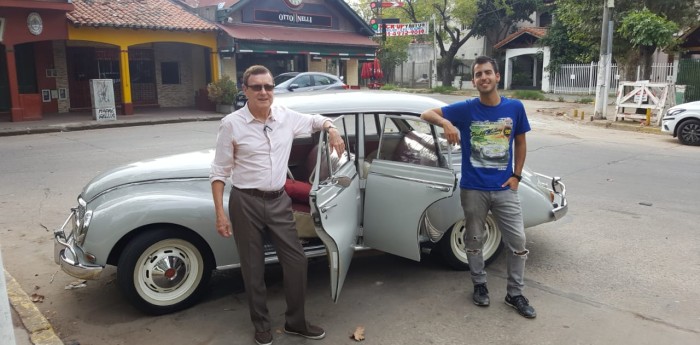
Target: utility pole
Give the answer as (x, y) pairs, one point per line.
(603, 84)
(433, 79)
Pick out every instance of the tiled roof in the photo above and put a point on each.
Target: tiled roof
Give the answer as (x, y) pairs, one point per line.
(205, 3)
(534, 31)
(136, 14)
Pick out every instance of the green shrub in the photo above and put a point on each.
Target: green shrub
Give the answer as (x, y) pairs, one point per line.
(389, 87)
(529, 94)
(444, 89)
(222, 91)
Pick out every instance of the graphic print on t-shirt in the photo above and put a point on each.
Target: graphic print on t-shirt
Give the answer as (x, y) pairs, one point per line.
(489, 143)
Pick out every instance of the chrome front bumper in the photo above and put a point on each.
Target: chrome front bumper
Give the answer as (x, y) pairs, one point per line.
(558, 190)
(68, 254)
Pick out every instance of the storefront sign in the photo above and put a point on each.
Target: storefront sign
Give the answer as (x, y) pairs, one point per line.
(279, 17)
(102, 92)
(408, 29)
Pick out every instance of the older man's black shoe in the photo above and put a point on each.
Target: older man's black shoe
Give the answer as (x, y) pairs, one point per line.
(481, 295)
(522, 305)
(263, 338)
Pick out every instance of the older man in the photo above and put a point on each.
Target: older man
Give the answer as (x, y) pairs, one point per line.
(252, 149)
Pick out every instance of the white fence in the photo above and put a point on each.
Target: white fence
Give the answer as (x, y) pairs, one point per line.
(582, 78)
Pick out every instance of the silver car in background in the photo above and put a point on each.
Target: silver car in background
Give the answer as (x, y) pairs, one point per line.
(394, 190)
(683, 121)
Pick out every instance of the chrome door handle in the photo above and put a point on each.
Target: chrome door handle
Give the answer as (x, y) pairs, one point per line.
(440, 188)
(324, 209)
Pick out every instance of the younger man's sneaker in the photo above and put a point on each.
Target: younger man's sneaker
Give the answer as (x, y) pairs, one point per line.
(522, 305)
(312, 332)
(263, 338)
(481, 295)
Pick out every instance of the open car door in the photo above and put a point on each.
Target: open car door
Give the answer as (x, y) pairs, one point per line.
(335, 206)
(412, 171)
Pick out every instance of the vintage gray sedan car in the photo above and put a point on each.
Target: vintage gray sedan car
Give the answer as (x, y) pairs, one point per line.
(394, 190)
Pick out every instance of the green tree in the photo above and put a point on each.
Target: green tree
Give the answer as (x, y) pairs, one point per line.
(646, 31)
(575, 36)
(457, 21)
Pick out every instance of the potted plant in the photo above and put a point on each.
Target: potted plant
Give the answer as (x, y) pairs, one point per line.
(223, 92)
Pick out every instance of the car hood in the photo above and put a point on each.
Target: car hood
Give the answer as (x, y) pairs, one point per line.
(181, 166)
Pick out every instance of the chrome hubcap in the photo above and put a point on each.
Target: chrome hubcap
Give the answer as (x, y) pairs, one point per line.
(165, 270)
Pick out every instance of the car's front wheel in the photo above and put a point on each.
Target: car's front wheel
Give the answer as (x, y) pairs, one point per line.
(689, 132)
(452, 245)
(164, 270)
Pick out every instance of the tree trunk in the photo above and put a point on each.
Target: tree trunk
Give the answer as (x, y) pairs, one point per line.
(646, 55)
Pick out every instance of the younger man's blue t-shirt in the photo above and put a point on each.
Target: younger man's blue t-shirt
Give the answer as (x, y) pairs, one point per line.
(487, 134)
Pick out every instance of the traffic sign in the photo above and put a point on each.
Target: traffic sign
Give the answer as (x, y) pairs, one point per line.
(392, 4)
(377, 4)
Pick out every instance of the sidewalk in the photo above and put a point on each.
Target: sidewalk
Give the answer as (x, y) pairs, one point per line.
(78, 121)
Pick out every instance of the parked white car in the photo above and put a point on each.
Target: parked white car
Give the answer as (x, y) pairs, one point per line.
(683, 121)
(395, 190)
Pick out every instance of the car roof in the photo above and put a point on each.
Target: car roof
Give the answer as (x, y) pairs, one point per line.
(352, 101)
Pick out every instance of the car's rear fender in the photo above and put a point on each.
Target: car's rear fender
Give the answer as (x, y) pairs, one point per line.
(535, 203)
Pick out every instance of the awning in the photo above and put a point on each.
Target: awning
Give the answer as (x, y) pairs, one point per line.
(286, 40)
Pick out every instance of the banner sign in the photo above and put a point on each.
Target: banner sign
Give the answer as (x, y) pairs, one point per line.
(407, 29)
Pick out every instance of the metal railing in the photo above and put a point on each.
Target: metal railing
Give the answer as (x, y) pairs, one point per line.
(582, 78)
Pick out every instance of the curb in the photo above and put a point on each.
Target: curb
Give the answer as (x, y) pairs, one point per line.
(40, 330)
(80, 126)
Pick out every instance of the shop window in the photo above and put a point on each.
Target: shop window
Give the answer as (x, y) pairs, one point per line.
(170, 72)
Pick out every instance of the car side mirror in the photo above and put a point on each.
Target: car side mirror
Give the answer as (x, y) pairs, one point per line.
(293, 86)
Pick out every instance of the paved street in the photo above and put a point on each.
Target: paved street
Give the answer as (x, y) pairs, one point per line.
(623, 267)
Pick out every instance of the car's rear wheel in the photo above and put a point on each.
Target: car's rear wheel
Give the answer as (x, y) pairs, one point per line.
(689, 132)
(452, 246)
(164, 270)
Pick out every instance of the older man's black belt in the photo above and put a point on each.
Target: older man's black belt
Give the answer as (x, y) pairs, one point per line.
(263, 194)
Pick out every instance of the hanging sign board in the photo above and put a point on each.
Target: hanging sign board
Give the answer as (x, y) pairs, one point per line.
(406, 29)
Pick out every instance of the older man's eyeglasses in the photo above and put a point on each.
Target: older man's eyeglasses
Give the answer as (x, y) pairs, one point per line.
(259, 87)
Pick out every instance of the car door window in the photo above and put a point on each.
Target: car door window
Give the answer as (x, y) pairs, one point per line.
(413, 143)
(303, 81)
(323, 80)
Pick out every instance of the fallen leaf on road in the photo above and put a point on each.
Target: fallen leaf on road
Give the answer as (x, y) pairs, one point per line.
(37, 298)
(76, 285)
(359, 334)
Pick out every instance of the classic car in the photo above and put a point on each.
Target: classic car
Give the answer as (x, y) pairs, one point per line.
(395, 190)
(683, 121)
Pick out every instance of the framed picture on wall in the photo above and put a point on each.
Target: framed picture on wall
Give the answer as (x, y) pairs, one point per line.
(46, 95)
(62, 93)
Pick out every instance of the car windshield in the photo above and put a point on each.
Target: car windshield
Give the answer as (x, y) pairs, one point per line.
(282, 78)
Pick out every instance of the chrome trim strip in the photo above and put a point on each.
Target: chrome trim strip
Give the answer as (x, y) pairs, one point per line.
(450, 185)
(181, 179)
(273, 258)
